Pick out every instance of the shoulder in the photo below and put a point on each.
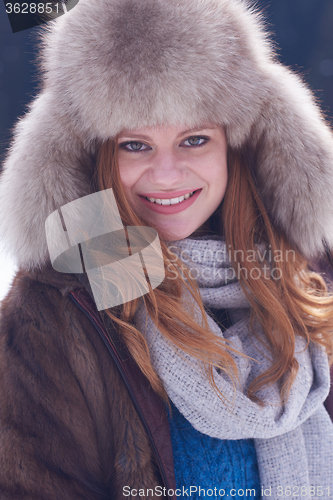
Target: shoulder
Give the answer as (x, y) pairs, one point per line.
(45, 338)
(37, 311)
(52, 361)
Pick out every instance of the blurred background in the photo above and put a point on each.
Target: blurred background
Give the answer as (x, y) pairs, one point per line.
(301, 29)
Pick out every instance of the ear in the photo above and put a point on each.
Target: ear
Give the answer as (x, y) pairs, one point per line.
(294, 163)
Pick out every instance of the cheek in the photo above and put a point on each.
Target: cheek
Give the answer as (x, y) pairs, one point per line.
(218, 176)
(131, 173)
(127, 176)
(224, 181)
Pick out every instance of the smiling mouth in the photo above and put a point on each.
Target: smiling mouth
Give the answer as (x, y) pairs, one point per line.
(171, 201)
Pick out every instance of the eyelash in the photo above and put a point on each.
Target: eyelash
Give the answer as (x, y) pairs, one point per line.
(125, 144)
(205, 140)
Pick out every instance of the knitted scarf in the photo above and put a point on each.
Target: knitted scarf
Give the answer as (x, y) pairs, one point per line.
(293, 441)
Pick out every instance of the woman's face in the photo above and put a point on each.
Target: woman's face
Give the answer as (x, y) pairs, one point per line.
(173, 177)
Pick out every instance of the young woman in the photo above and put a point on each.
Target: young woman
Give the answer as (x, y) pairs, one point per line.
(212, 382)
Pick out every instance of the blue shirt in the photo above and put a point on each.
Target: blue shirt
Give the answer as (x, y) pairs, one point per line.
(221, 468)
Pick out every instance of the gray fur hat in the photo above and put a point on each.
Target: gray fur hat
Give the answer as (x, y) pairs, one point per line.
(114, 64)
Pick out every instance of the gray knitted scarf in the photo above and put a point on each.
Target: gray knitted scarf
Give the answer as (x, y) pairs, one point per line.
(294, 441)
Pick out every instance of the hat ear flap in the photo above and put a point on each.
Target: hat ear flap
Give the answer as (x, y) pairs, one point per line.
(294, 163)
(47, 166)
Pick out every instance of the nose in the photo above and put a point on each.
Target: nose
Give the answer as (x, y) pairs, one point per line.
(167, 170)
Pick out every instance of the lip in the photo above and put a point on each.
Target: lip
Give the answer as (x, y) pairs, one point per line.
(170, 209)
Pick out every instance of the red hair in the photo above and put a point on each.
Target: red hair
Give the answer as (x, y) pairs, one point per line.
(297, 303)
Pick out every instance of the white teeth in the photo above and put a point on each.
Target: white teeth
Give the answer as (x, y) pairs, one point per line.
(172, 201)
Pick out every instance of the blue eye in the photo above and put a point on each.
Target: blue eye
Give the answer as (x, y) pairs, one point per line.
(195, 140)
(134, 146)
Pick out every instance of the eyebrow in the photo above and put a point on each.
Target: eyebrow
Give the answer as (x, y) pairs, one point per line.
(197, 129)
(128, 133)
(145, 137)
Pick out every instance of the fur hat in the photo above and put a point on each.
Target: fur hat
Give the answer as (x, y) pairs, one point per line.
(114, 64)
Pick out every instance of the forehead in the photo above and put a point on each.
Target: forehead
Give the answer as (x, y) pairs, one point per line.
(181, 129)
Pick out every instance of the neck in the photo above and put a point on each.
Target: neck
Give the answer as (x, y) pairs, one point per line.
(212, 226)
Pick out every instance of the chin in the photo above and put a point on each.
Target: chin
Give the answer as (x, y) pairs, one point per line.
(174, 236)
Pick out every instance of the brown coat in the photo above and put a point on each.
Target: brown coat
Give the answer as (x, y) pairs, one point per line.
(69, 427)
(78, 419)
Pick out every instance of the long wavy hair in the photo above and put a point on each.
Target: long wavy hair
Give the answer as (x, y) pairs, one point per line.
(293, 302)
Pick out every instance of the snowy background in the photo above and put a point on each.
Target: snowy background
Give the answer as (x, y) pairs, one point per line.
(7, 271)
